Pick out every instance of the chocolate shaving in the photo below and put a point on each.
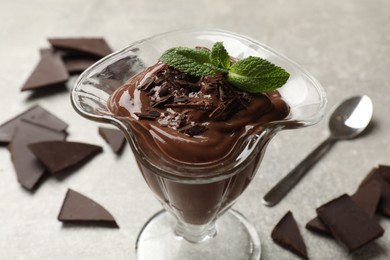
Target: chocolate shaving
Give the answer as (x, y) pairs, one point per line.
(170, 88)
(148, 115)
(226, 109)
(162, 101)
(202, 105)
(164, 90)
(145, 84)
(180, 99)
(193, 130)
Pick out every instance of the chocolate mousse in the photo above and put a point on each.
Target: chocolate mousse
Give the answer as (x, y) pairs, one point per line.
(191, 123)
(193, 119)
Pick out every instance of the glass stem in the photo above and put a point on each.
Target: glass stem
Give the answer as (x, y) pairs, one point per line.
(195, 233)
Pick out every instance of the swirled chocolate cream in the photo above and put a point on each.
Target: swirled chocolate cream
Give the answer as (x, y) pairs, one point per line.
(193, 119)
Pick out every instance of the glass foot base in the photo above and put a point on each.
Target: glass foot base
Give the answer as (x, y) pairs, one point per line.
(236, 239)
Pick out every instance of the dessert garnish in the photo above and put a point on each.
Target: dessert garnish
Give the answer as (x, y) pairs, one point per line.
(251, 74)
(79, 209)
(286, 234)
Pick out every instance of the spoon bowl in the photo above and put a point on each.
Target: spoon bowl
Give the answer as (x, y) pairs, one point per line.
(351, 117)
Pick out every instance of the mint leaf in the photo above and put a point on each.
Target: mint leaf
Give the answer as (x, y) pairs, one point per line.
(196, 62)
(219, 56)
(254, 74)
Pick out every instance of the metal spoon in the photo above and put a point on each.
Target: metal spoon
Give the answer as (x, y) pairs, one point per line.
(348, 120)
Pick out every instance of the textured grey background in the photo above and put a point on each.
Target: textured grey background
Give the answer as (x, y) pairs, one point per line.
(344, 44)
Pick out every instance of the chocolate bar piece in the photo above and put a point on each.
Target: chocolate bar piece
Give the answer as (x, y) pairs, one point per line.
(60, 155)
(49, 72)
(87, 47)
(384, 170)
(78, 208)
(366, 197)
(78, 65)
(380, 174)
(114, 138)
(36, 115)
(349, 223)
(286, 234)
(28, 169)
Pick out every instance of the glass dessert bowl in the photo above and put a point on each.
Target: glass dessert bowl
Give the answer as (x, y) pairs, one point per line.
(197, 194)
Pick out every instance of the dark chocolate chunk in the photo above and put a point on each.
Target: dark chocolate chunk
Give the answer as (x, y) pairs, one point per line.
(49, 72)
(78, 208)
(114, 138)
(93, 47)
(349, 223)
(60, 155)
(28, 169)
(286, 234)
(36, 115)
(378, 174)
(366, 197)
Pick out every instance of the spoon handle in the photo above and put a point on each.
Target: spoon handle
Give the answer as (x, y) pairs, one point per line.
(292, 178)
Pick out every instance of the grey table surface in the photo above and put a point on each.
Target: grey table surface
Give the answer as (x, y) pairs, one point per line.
(344, 44)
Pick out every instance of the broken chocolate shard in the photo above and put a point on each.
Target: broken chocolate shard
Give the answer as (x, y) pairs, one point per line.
(349, 224)
(28, 169)
(114, 138)
(78, 208)
(36, 115)
(92, 47)
(49, 72)
(60, 155)
(384, 203)
(286, 234)
(366, 197)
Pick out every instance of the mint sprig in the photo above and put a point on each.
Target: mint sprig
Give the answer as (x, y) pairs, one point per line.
(252, 74)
